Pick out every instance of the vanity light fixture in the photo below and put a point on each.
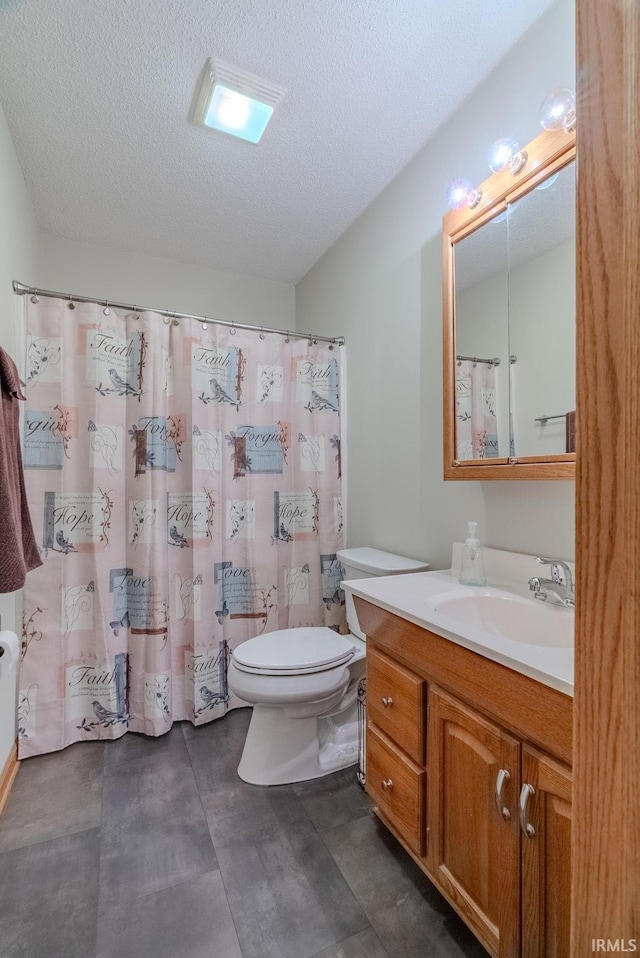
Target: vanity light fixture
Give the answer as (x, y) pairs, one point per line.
(558, 110)
(235, 102)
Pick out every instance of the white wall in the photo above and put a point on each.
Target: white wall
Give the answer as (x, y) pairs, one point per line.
(380, 286)
(18, 260)
(542, 333)
(101, 271)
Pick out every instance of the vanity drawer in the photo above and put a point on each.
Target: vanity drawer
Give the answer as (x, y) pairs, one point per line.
(395, 703)
(397, 786)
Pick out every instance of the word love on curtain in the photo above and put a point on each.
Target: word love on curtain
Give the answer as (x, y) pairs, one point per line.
(184, 485)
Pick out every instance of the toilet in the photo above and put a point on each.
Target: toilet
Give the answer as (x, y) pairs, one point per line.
(303, 685)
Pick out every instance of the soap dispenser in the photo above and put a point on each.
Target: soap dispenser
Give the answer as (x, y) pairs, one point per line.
(472, 568)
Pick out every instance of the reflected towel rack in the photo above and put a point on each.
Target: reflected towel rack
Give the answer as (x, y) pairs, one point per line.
(544, 419)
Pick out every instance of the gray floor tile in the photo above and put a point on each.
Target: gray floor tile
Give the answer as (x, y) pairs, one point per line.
(134, 747)
(215, 749)
(191, 920)
(287, 896)
(48, 898)
(334, 799)
(154, 832)
(407, 912)
(365, 944)
(54, 795)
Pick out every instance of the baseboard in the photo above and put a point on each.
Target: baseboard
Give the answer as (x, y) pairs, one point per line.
(7, 777)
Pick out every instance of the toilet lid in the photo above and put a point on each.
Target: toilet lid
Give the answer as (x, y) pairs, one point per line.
(294, 651)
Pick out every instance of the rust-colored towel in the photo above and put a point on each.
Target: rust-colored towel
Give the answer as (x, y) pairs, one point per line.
(570, 442)
(18, 549)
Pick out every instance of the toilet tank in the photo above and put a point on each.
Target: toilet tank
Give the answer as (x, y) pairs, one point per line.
(364, 563)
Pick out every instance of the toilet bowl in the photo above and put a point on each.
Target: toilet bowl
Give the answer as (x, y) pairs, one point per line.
(303, 685)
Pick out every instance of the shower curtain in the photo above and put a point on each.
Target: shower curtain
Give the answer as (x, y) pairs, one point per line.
(184, 484)
(476, 417)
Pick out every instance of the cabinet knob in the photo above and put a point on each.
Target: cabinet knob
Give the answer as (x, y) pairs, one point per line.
(387, 784)
(387, 701)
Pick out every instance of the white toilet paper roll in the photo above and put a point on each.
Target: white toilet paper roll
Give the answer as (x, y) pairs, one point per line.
(11, 651)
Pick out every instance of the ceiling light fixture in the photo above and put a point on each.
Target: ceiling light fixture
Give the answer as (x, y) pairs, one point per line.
(235, 102)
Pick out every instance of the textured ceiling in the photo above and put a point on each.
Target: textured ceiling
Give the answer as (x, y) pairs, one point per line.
(97, 95)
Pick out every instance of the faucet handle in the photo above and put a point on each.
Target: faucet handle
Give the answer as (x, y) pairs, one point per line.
(560, 571)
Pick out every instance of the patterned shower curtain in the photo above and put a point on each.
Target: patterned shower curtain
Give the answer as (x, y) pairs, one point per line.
(184, 485)
(476, 417)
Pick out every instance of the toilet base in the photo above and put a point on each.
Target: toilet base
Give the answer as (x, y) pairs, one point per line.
(280, 750)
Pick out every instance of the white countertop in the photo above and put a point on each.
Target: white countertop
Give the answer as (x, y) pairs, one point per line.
(407, 596)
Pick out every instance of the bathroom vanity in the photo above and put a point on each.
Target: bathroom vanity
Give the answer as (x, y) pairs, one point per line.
(468, 756)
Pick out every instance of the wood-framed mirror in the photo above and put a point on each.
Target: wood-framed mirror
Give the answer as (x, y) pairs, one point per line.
(509, 320)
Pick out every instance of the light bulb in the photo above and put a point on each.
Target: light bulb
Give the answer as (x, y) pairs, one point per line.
(558, 110)
(458, 194)
(501, 154)
(233, 110)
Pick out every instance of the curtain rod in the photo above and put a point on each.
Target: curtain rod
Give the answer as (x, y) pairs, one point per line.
(476, 359)
(23, 290)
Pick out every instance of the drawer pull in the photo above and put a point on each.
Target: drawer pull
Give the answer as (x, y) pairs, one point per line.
(526, 827)
(387, 701)
(503, 811)
(387, 784)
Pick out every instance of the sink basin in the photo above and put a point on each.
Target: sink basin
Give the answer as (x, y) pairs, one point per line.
(506, 615)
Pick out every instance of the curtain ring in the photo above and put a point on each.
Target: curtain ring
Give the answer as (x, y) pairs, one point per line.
(166, 320)
(106, 310)
(287, 337)
(34, 297)
(174, 321)
(232, 331)
(262, 332)
(205, 324)
(332, 344)
(71, 304)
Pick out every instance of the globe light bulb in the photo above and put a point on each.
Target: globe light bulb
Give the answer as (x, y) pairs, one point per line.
(458, 194)
(558, 110)
(501, 154)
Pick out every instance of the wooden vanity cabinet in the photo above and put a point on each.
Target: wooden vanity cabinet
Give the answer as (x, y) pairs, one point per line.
(455, 742)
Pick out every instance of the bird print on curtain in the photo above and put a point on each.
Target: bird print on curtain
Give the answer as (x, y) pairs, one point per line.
(184, 482)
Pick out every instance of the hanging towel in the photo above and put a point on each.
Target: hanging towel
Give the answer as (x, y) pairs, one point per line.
(570, 441)
(18, 549)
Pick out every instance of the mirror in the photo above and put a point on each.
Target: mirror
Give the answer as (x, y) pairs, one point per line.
(509, 321)
(542, 316)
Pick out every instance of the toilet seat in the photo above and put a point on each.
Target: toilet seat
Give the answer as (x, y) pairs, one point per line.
(294, 652)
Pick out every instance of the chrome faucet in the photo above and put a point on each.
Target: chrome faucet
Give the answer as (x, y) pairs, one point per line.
(559, 588)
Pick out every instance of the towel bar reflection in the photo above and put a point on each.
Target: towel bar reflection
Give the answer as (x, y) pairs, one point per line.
(543, 419)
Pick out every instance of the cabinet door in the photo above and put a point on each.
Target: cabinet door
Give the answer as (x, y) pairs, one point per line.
(474, 846)
(546, 856)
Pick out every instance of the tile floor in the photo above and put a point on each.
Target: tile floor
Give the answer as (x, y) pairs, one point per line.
(153, 848)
